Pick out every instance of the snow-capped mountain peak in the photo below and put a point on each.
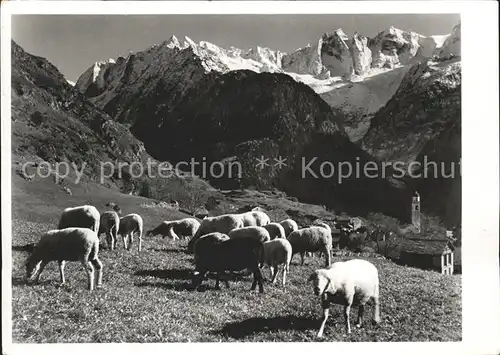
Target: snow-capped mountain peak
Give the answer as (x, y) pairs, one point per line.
(452, 44)
(173, 42)
(99, 65)
(340, 68)
(188, 42)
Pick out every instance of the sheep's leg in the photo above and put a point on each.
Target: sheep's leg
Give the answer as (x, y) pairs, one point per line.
(302, 258)
(61, 271)
(328, 257)
(113, 241)
(346, 315)
(42, 266)
(274, 272)
(140, 241)
(197, 282)
(326, 312)
(98, 266)
(361, 311)
(109, 240)
(131, 240)
(285, 269)
(257, 278)
(254, 282)
(376, 313)
(124, 237)
(90, 273)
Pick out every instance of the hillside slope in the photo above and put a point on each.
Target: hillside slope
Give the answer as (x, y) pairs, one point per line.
(243, 116)
(53, 122)
(422, 124)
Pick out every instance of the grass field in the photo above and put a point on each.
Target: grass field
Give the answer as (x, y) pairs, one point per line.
(146, 297)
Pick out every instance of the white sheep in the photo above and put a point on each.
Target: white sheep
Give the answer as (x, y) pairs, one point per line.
(222, 224)
(311, 239)
(130, 224)
(347, 283)
(69, 244)
(319, 223)
(186, 227)
(255, 218)
(277, 252)
(257, 233)
(275, 230)
(289, 225)
(110, 222)
(81, 216)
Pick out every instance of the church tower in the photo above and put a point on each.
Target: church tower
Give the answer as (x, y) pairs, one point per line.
(415, 211)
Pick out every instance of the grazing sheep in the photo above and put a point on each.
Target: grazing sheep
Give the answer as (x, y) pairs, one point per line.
(69, 244)
(222, 224)
(275, 230)
(110, 222)
(130, 224)
(347, 283)
(208, 239)
(311, 239)
(186, 227)
(289, 225)
(277, 252)
(255, 218)
(257, 233)
(229, 255)
(82, 216)
(319, 223)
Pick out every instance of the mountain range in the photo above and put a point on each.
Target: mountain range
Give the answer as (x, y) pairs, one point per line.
(393, 97)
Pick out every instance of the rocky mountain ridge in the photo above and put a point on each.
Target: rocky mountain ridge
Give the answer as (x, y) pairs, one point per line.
(340, 69)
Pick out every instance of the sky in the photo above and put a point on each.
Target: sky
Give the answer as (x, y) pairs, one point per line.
(74, 42)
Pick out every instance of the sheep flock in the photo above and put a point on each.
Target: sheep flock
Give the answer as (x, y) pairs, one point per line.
(222, 245)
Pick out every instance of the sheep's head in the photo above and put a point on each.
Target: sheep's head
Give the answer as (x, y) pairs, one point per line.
(32, 266)
(320, 282)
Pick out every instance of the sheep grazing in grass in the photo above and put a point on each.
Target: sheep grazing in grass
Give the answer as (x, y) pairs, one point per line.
(257, 233)
(311, 239)
(129, 225)
(82, 216)
(208, 239)
(275, 230)
(109, 225)
(222, 224)
(347, 283)
(289, 225)
(69, 244)
(255, 218)
(319, 223)
(186, 227)
(229, 255)
(277, 252)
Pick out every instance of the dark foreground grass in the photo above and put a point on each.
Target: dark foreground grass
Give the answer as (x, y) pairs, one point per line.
(147, 297)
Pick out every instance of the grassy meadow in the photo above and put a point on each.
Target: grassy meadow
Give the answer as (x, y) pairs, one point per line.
(146, 297)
